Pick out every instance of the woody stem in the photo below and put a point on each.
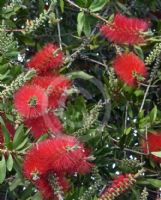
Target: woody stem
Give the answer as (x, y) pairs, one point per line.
(87, 11)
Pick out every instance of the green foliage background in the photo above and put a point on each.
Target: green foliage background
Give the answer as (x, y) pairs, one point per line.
(112, 129)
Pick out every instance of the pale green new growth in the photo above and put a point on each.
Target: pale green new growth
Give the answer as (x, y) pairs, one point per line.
(17, 83)
(6, 43)
(144, 194)
(153, 54)
(92, 190)
(90, 118)
(32, 25)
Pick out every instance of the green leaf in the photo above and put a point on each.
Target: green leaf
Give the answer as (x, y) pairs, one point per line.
(98, 5)
(80, 22)
(41, 6)
(154, 182)
(5, 132)
(87, 26)
(2, 2)
(139, 52)
(127, 131)
(37, 196)
(2, 169)
(9, 163)
(22, 145)
(139, 92)
(156, 153)
(62, 5)
(15, 183)
(79, 74)
(153, 114)
(19, 136)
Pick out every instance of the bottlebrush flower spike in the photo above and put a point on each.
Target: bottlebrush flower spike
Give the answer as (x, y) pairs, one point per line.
(45, 187)
(47, 123)
(68, 155)
(125, 30)
(55, 87)
(119, 185)
(62, 155)
(49, 57)
(30, 101)
(127, 66)
(152, 144)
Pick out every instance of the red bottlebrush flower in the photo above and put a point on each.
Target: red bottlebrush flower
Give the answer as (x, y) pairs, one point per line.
(36, 162)
(62, 155)
(127, 66)
(125, 30)
(118, 186)
(55, 87)
(152, 144)
(30, 101)
(47, 123)
(85, 167)
(49, 57)
(68, 155)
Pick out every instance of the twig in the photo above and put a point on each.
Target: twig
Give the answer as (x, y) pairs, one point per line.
(12, 30)
(58, 28)
(146, 137)
(145, 95)
(136, 152)
(7, 152)
(139, 172)
(152, 75)
(92, 60)
(87, 11)
(126, 109)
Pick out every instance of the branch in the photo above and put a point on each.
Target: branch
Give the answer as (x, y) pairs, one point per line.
(12, 152)
(87, 11)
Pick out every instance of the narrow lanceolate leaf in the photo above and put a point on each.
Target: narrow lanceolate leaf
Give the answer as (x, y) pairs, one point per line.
(86, 27)
(98, 5)
(10, 163)
(80, 22)
(156, 153)
(19, 136)
(153, 114)
(5, 132)
(79, 74)
(154, 182)
(2, 169)
(62, 5)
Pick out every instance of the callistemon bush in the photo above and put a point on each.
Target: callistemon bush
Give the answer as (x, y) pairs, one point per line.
(80, 106)
(125, 30)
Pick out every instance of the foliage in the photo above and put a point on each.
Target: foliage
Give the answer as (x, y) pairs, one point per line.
(111, 118)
